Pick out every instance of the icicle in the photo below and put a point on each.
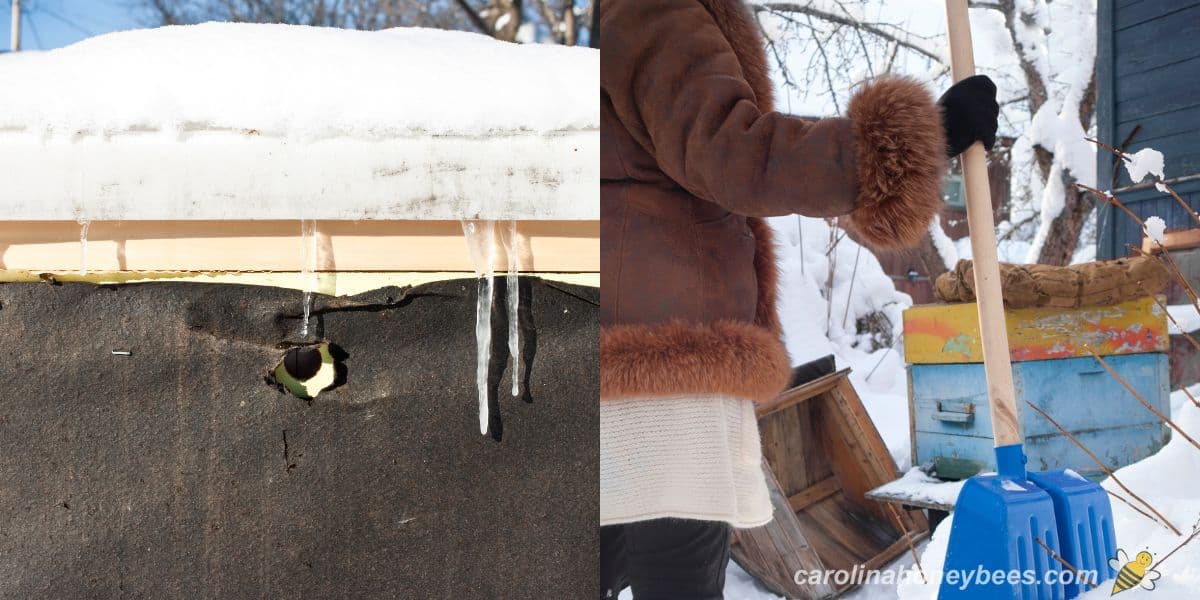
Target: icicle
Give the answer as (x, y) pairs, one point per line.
(308, 274)
(481, 243)
(83, 244)
(509, 237)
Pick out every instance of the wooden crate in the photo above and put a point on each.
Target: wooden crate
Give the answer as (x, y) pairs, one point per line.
(823, 453)
(952, 429)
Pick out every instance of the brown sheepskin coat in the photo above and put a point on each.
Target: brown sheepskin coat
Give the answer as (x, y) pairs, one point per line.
(692, 156)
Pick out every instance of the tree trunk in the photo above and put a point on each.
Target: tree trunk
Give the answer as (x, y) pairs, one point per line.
(570, 28)
(1063, 238)
(594, 33)
(1063, 235)
(504, 17)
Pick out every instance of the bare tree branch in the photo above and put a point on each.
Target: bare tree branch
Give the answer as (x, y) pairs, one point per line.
(839, 40)
(474, 17)
(783, 8)
(594, 33)
(893, 50)
(548, 16)
(783, 69)
(828, 76)
(501, 19)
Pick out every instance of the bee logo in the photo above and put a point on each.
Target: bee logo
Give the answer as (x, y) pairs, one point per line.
(1134, 572)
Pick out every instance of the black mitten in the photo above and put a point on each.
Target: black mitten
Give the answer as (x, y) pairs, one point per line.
(969, 113)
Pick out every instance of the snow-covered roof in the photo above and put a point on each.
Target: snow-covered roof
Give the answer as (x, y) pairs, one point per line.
(298, 81)
(247, 121)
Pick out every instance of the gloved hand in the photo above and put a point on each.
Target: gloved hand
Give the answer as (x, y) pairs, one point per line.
(969, 112)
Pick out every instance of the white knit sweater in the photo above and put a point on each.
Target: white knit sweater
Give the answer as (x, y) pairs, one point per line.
(685, 457)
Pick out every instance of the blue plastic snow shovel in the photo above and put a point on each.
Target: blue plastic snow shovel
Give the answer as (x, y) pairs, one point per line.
(1004, 523)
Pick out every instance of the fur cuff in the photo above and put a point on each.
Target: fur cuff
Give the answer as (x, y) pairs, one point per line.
(900, 163)
(725, 357)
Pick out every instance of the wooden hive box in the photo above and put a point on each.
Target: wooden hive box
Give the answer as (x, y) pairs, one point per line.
(822, 453)
(157, 431)
(1052, 369)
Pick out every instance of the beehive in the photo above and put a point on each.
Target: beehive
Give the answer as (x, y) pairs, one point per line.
(1052, 369)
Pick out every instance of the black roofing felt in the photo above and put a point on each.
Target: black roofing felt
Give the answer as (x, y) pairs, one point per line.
(180, 471)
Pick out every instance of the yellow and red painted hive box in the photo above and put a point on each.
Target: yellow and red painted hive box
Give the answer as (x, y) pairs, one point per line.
(949, 333)
(1052, 369)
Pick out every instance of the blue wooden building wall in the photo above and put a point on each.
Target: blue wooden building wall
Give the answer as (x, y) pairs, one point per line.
(1148, 75)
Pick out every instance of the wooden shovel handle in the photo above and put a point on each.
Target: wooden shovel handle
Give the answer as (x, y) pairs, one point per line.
(992, 330)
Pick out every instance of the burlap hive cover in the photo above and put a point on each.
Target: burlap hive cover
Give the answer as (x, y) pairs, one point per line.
(178, 471)
(1101, 283)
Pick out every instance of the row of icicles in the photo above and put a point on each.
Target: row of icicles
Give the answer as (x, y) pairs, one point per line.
(481, 244)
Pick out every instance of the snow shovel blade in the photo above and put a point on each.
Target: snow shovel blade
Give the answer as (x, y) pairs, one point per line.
(996, 521)
(1085, 524)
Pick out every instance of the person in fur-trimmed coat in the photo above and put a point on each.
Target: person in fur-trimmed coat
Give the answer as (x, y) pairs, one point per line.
(693, 156)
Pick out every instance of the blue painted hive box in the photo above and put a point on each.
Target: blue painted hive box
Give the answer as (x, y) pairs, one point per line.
(950, 417)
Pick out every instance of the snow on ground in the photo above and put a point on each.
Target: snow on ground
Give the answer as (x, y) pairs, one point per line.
(1186, 316)
(740, 585)
(820, 319)
(816, 322)
(1008, 249)
(812, 315)
(303, 82)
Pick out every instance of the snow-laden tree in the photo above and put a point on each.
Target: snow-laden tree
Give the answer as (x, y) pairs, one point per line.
(557, 21)
(1040, 52)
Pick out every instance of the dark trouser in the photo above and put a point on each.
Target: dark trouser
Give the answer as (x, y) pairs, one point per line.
(665, 559)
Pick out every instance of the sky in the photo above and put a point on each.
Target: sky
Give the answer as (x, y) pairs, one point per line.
(47, 24)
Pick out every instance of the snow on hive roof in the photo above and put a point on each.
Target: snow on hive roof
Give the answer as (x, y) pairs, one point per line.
(299, 81)
(237, 121)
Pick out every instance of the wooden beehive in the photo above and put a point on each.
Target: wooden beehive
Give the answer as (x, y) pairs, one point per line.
(822, 454)
(1053, 369)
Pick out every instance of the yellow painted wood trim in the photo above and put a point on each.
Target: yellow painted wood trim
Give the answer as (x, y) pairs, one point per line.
(390, 246)
(333, 284)
(949, 333)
